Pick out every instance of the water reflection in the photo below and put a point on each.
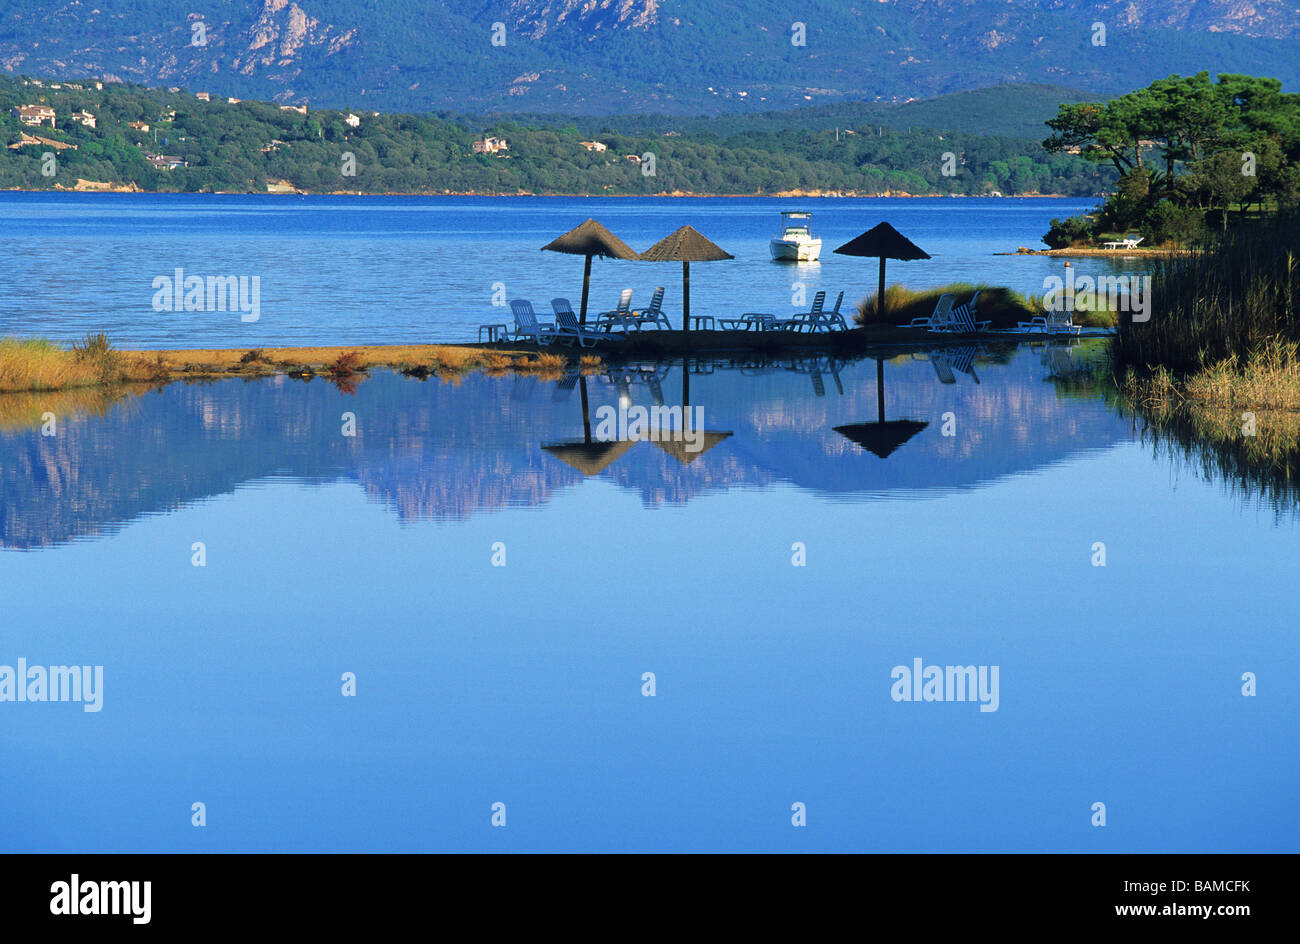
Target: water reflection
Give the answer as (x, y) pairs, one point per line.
(523, 684)
(880, 437)
(445, 451)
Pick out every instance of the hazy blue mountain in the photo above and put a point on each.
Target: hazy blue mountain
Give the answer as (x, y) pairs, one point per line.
(602, 56)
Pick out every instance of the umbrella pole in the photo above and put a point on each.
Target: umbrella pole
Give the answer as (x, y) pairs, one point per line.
(880, 390)
(686, 295)
(880, 292)
(586, 287)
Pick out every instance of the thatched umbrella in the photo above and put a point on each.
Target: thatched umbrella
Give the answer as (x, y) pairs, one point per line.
(587, 456)
(685, 245)
(880, 437)
(590, 239)
(888, 243)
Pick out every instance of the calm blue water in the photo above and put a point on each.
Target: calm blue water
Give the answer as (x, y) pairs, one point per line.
(342, 270)
(522, 684)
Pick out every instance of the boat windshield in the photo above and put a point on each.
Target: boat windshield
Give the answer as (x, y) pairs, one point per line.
(796, 224)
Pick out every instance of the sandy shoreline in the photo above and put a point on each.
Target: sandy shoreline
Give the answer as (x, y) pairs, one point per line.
(1086, 252)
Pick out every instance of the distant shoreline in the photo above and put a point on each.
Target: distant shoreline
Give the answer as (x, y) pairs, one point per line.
(780, 195)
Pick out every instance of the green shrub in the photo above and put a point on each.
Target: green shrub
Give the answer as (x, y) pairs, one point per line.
(1074, 231)
(1168, 223)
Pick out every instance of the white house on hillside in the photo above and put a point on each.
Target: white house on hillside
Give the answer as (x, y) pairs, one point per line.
(490, 145)
(34, 115)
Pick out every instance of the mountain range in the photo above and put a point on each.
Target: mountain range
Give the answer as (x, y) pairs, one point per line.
(638, 56)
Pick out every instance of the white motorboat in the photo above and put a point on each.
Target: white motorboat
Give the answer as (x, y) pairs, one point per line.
(795, 242)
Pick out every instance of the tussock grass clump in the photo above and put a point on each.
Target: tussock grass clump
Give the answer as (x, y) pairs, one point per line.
(546, 366)
(41, 365)
(37, 364)
(449, 358)
(1268, 380)
(1239, 415)
(495, 363)
(1242, 422)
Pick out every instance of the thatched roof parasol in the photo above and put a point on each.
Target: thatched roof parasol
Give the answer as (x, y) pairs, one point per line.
(685, 245)
(885, 242)
(590, 239)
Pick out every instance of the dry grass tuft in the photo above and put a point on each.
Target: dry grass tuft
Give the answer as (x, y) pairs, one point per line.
(42, 365)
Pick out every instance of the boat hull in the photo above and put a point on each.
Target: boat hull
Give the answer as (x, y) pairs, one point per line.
(796, 250)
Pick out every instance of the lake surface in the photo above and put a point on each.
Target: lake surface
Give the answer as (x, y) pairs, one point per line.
(369, 270)
(972, 542)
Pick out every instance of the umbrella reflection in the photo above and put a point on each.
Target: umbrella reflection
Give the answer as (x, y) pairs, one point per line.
(881, 437)
(588, 456)
(687, 448)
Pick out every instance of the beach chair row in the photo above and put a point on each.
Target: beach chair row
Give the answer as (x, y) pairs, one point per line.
(619, 322)
(818, 318)
(612, 325)
(951, 318)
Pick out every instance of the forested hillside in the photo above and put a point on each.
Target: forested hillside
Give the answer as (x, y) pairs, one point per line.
(246, 146)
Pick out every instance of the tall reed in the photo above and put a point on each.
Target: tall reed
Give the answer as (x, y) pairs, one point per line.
(1232, 298)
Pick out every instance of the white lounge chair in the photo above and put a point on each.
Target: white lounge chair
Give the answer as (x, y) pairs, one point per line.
(653, 314)
(940, 319)
(828, 319)
(569, 329)
(964, 323)
(805, 320)
(620, 317)
(834, 320)
(1056, 321)
(973, 306)
(1061, 322)
(1128, 242)
(527, 325)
